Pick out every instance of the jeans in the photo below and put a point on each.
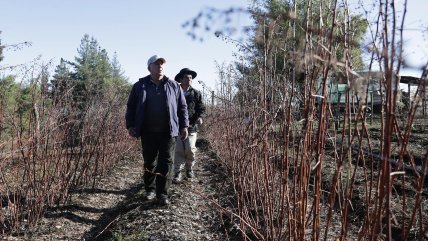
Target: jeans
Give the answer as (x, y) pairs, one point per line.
(158, 153)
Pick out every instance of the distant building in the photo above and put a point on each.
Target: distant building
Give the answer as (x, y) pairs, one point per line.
(366, 86)
(412, 84)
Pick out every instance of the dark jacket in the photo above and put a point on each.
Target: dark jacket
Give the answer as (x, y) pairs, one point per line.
(176, 105)
(195, 107)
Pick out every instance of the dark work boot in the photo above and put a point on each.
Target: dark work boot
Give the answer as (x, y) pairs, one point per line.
(150, 195)
(163, 200)
(177, 178)
(190, 174)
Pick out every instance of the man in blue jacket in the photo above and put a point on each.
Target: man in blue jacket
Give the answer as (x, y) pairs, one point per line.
(157, 112)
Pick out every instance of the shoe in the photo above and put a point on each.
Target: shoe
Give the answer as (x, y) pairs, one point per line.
(190, 174)
(177, 178)
(163, 200)
(150, 196)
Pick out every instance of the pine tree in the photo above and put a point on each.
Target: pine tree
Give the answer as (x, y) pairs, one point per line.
(92, 69)
(285, 35)
(77, 85)
(62, 81)
(119, 82)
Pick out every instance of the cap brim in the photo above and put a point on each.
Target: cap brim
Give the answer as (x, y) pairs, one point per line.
(162, 59)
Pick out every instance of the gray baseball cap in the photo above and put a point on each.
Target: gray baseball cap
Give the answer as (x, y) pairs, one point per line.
(155, 58)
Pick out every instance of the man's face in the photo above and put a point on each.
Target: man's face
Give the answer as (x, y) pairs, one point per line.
(156, 68)
(186, 80)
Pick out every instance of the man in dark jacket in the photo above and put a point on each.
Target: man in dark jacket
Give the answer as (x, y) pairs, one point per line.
(185, 149)
(157, 112)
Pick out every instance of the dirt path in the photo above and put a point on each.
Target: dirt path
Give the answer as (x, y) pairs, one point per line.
(116, 209)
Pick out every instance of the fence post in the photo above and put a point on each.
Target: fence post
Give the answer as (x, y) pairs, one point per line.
(212, 97)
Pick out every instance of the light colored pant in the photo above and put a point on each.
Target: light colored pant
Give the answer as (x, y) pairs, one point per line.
(185, 153)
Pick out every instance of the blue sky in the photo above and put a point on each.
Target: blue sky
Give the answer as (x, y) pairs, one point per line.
(134, 29)
(137, 29)
(415, 30)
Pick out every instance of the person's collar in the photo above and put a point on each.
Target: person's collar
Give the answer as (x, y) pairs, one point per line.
(155, 81)
(188, 88)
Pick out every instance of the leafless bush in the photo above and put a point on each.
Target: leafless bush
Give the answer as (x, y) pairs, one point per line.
(51, 146)
(297, 174)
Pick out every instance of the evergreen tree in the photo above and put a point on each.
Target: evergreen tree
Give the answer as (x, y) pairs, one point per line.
(282, 26)
(90, 75)
(62, 81)
(92, 69)
(8, 89)
(286, 34)
(119, 82)
(90, 79)
(7, 85)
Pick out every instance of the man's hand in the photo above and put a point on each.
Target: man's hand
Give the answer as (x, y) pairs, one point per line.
(132, 132)
(184, 134)
(199, 121)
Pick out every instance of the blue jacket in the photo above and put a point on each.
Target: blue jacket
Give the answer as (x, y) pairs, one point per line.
(176, 104)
